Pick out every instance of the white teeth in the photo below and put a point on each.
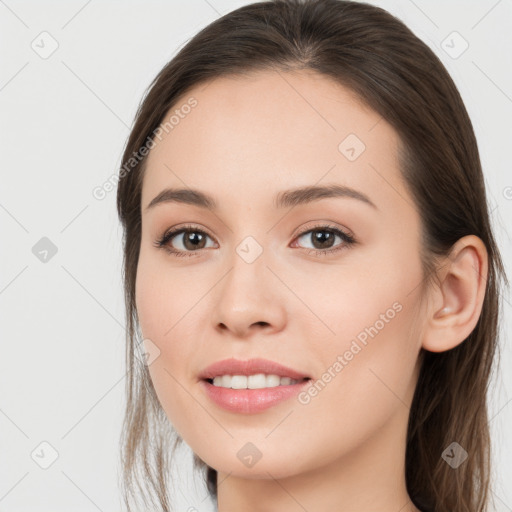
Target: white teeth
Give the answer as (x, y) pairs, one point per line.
(257, 381)
(272, 381)
(238, 381)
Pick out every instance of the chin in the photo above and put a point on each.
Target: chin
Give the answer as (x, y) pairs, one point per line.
(276, 465)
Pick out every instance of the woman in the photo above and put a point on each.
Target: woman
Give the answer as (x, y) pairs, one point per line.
(310, 270)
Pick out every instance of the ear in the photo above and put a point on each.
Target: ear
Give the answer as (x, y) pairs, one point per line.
(456, 303)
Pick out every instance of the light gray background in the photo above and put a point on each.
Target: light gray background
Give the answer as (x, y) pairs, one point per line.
(64, 121)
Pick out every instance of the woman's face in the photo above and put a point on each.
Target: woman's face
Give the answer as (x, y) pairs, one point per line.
(260, 276)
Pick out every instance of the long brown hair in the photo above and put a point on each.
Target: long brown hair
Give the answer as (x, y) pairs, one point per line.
(368, 50)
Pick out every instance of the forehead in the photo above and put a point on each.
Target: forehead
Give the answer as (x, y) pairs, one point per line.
(272, 130)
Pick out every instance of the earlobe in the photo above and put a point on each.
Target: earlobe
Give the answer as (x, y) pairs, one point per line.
(459, 296)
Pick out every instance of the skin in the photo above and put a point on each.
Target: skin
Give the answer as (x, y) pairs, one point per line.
(247, 139)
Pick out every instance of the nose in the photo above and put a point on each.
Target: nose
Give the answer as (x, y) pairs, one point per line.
(249, 299)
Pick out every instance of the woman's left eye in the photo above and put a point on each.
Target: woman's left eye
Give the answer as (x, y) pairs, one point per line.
(322, 238)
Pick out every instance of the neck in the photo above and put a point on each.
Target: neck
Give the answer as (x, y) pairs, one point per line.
(371, 478)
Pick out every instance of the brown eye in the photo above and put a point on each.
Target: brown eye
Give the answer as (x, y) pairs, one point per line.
(320, 238)
(184, 241)
(323, 239)
(192, 240)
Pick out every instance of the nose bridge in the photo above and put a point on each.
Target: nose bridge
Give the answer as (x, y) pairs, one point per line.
(247, 280)
(249, 294)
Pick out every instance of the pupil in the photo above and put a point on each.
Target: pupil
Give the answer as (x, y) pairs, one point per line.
(193, 238)
(322, 237)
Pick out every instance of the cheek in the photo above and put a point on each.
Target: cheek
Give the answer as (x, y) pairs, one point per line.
(164, 294)
(375, 337)
(166, 314)
(166, 318)
(368, 287)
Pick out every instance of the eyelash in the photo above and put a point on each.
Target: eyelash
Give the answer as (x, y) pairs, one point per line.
(162, 242)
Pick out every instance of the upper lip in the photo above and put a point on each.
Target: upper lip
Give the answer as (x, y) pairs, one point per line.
(234, 366)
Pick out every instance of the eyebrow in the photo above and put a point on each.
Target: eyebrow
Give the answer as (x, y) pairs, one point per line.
(283, 199)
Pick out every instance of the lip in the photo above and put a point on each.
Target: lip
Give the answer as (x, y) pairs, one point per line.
(234, 366)
(250, 401)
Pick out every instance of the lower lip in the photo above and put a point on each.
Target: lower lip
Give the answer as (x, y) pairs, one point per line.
(250, 401)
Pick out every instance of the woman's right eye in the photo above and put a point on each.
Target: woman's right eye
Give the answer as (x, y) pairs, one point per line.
(189, 240)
